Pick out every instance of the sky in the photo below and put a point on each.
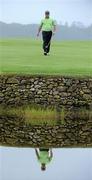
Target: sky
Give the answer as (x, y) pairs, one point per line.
(67, 164)
(32, 11)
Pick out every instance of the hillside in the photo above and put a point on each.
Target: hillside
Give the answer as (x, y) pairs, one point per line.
(64, 32)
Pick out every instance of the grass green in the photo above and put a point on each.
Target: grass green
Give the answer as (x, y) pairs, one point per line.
(25, 56)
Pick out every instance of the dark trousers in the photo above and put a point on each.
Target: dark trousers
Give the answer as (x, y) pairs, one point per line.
(46, 35)
(44, 149)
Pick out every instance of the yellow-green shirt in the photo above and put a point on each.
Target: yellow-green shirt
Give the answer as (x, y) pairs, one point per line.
(44, 157)
(47, 24)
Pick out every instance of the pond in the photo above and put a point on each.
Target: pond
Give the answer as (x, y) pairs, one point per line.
(66, 164)
(40, 144)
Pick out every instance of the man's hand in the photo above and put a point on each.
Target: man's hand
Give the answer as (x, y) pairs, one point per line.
(51, 153)
(37, 154)
(39, 30)
(53, 33)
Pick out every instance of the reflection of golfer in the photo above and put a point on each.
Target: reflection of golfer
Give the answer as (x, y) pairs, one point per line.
(44, 156)
(48, 27)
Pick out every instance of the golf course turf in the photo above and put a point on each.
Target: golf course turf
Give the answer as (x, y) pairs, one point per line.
(25, 56)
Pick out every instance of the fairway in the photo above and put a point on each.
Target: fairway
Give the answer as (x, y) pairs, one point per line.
(25, 56)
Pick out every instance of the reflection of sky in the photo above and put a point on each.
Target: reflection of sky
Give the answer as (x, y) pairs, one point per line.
(67, 164)
(30, 11)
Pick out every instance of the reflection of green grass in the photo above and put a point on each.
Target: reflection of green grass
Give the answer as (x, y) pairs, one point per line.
(38, 116)
(34, 115)
(25, 56)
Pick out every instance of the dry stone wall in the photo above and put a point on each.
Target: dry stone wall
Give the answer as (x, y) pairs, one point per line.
(46, 91)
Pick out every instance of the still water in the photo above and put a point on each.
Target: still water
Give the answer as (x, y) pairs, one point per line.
(65, 164)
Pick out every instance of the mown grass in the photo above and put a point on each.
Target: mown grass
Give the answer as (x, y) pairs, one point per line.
(25, 56)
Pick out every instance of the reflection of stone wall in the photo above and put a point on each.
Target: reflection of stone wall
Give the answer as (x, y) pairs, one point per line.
(45, 90)
(73, 133)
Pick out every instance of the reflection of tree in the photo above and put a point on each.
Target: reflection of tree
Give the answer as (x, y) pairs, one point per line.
(44, 156)
(77, 24)
(66, 24)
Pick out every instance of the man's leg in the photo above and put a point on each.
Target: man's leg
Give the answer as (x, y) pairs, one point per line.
(46, 41)
(48, 48)
(49, 41)
(44, 149)
(44, 35)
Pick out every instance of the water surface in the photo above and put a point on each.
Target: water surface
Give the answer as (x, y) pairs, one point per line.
(67, 164)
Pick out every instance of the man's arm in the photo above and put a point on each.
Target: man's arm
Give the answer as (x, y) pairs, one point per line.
(51, 155)
(37, 154)
(54, 27)
(39, 29)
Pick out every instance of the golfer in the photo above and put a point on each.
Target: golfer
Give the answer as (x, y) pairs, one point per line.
(48, 27)
(44, 156)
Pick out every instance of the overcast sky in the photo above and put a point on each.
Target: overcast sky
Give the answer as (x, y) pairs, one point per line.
(32, 11)
(67, 164)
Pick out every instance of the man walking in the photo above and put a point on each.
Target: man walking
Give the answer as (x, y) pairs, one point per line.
(48, 27)
(44, 156)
